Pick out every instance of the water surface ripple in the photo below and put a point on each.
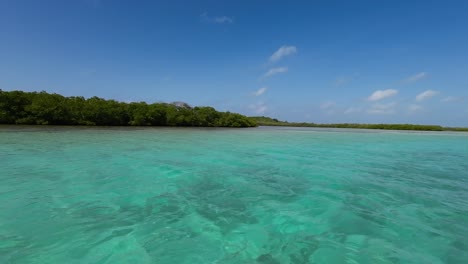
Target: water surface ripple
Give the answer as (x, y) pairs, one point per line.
(262, 195)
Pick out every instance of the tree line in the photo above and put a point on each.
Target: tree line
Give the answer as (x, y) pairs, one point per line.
(42, 108)
(267, 121)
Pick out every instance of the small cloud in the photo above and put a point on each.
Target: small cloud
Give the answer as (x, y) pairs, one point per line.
(166, 78)
(341, 80)
(382, 94)
(282, 52)
(223, 19)
(259, 108)
(260, 91)
(327, 105)
(417, 77)
(450, 99)
(382, 109)
(275, 71)
(216, 20)
(352, 110)
(426, 95)
(414, 108)
(88, 72)
(344, 79)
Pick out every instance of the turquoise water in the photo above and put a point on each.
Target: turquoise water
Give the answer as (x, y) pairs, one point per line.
(262, 195)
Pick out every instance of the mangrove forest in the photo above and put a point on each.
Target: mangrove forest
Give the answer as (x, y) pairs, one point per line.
(42, 108)
(267, 121)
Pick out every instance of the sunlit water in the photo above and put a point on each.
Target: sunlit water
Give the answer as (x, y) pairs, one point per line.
(262, 195)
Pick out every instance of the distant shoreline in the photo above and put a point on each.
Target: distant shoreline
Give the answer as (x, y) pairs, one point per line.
(267, 121)
(44, 109)
(23, 127)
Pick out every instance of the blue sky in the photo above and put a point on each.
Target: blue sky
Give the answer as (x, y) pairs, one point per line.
(314, 61)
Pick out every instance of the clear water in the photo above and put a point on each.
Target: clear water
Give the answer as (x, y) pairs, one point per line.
(262, 195)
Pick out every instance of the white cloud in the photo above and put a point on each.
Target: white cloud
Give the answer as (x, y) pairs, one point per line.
(344, 79)
(327, 105)
(382, 109)
(283, 52)
(352, 110)
(381, 94)
(275, 71)
(216, 20)
(450, 99)
(417, 77)
(414, 108)
(223, 19)
(259, 108)
(88, 72)
(341, 80)
(260, 91)
(426, 95)
(166, 78)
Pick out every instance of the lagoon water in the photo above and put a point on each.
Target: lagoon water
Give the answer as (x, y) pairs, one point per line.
(260, 195)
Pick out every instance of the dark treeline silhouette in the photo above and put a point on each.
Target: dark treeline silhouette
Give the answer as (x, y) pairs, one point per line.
(42, 108)
(267, 121)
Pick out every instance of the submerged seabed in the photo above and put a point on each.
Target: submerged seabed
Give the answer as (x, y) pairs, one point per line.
(263, 195)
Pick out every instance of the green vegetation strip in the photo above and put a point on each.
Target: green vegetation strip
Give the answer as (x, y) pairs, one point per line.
(41, 108)
(267, 121)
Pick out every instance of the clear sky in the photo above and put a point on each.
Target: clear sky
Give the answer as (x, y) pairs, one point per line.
(314, 61)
